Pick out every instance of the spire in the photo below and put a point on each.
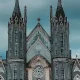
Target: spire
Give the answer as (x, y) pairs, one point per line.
(60, 11)
(16, 9)
(51, 14)
(25, 14)
(59, 3)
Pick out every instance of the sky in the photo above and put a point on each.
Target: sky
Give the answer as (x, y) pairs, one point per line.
(41, 8)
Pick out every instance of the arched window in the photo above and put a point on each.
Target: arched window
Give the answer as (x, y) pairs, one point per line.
(1, 77)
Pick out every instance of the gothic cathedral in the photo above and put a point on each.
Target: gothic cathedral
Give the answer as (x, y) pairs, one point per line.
(39, 56)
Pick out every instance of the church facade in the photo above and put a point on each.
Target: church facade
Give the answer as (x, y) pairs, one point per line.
(39, 56)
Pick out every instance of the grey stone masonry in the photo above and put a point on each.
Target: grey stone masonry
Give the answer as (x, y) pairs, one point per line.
(60, 52)
(16, 45)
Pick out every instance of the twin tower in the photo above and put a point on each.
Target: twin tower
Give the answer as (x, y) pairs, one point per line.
(38, 56)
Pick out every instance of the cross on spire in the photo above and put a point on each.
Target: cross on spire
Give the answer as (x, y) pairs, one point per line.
(38, 20)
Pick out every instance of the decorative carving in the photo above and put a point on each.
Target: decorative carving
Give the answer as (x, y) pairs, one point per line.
(11, 20)
(16, 20)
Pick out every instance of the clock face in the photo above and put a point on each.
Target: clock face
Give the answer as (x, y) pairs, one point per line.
(38, 71)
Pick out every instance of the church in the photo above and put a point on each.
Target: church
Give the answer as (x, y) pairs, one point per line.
(39, 55)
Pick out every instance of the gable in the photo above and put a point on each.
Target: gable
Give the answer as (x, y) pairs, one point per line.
(38, 28)
(38, 31)
(38, 48)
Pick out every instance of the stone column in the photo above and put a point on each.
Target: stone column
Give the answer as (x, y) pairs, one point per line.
(47, 73)
(30, 70)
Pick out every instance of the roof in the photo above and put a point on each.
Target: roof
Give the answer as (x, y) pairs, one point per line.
(33, 51)
(60, 11)
(38, 25)
(16, 11)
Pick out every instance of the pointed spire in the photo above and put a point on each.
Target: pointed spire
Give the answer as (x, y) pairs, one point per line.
(51, 13)
(25, 14)
(59, 3)
(16, 9)
(17, 3)
(60, 11)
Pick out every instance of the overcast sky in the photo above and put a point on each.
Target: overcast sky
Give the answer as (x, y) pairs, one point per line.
(41, 8)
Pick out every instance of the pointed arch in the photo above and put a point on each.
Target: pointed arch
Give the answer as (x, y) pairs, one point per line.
(39, 60)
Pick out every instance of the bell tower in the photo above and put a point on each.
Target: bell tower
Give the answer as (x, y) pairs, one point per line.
(60, 51)
(16, 44)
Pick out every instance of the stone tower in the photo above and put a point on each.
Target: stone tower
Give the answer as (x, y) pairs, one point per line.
(60, 51)
(16, 45)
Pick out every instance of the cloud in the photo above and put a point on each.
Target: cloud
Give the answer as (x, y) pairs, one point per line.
(41, 8)
(38, 7)
(75, 38)
(3, 38)
(71, 8)
(74, 33)
(34, 7)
